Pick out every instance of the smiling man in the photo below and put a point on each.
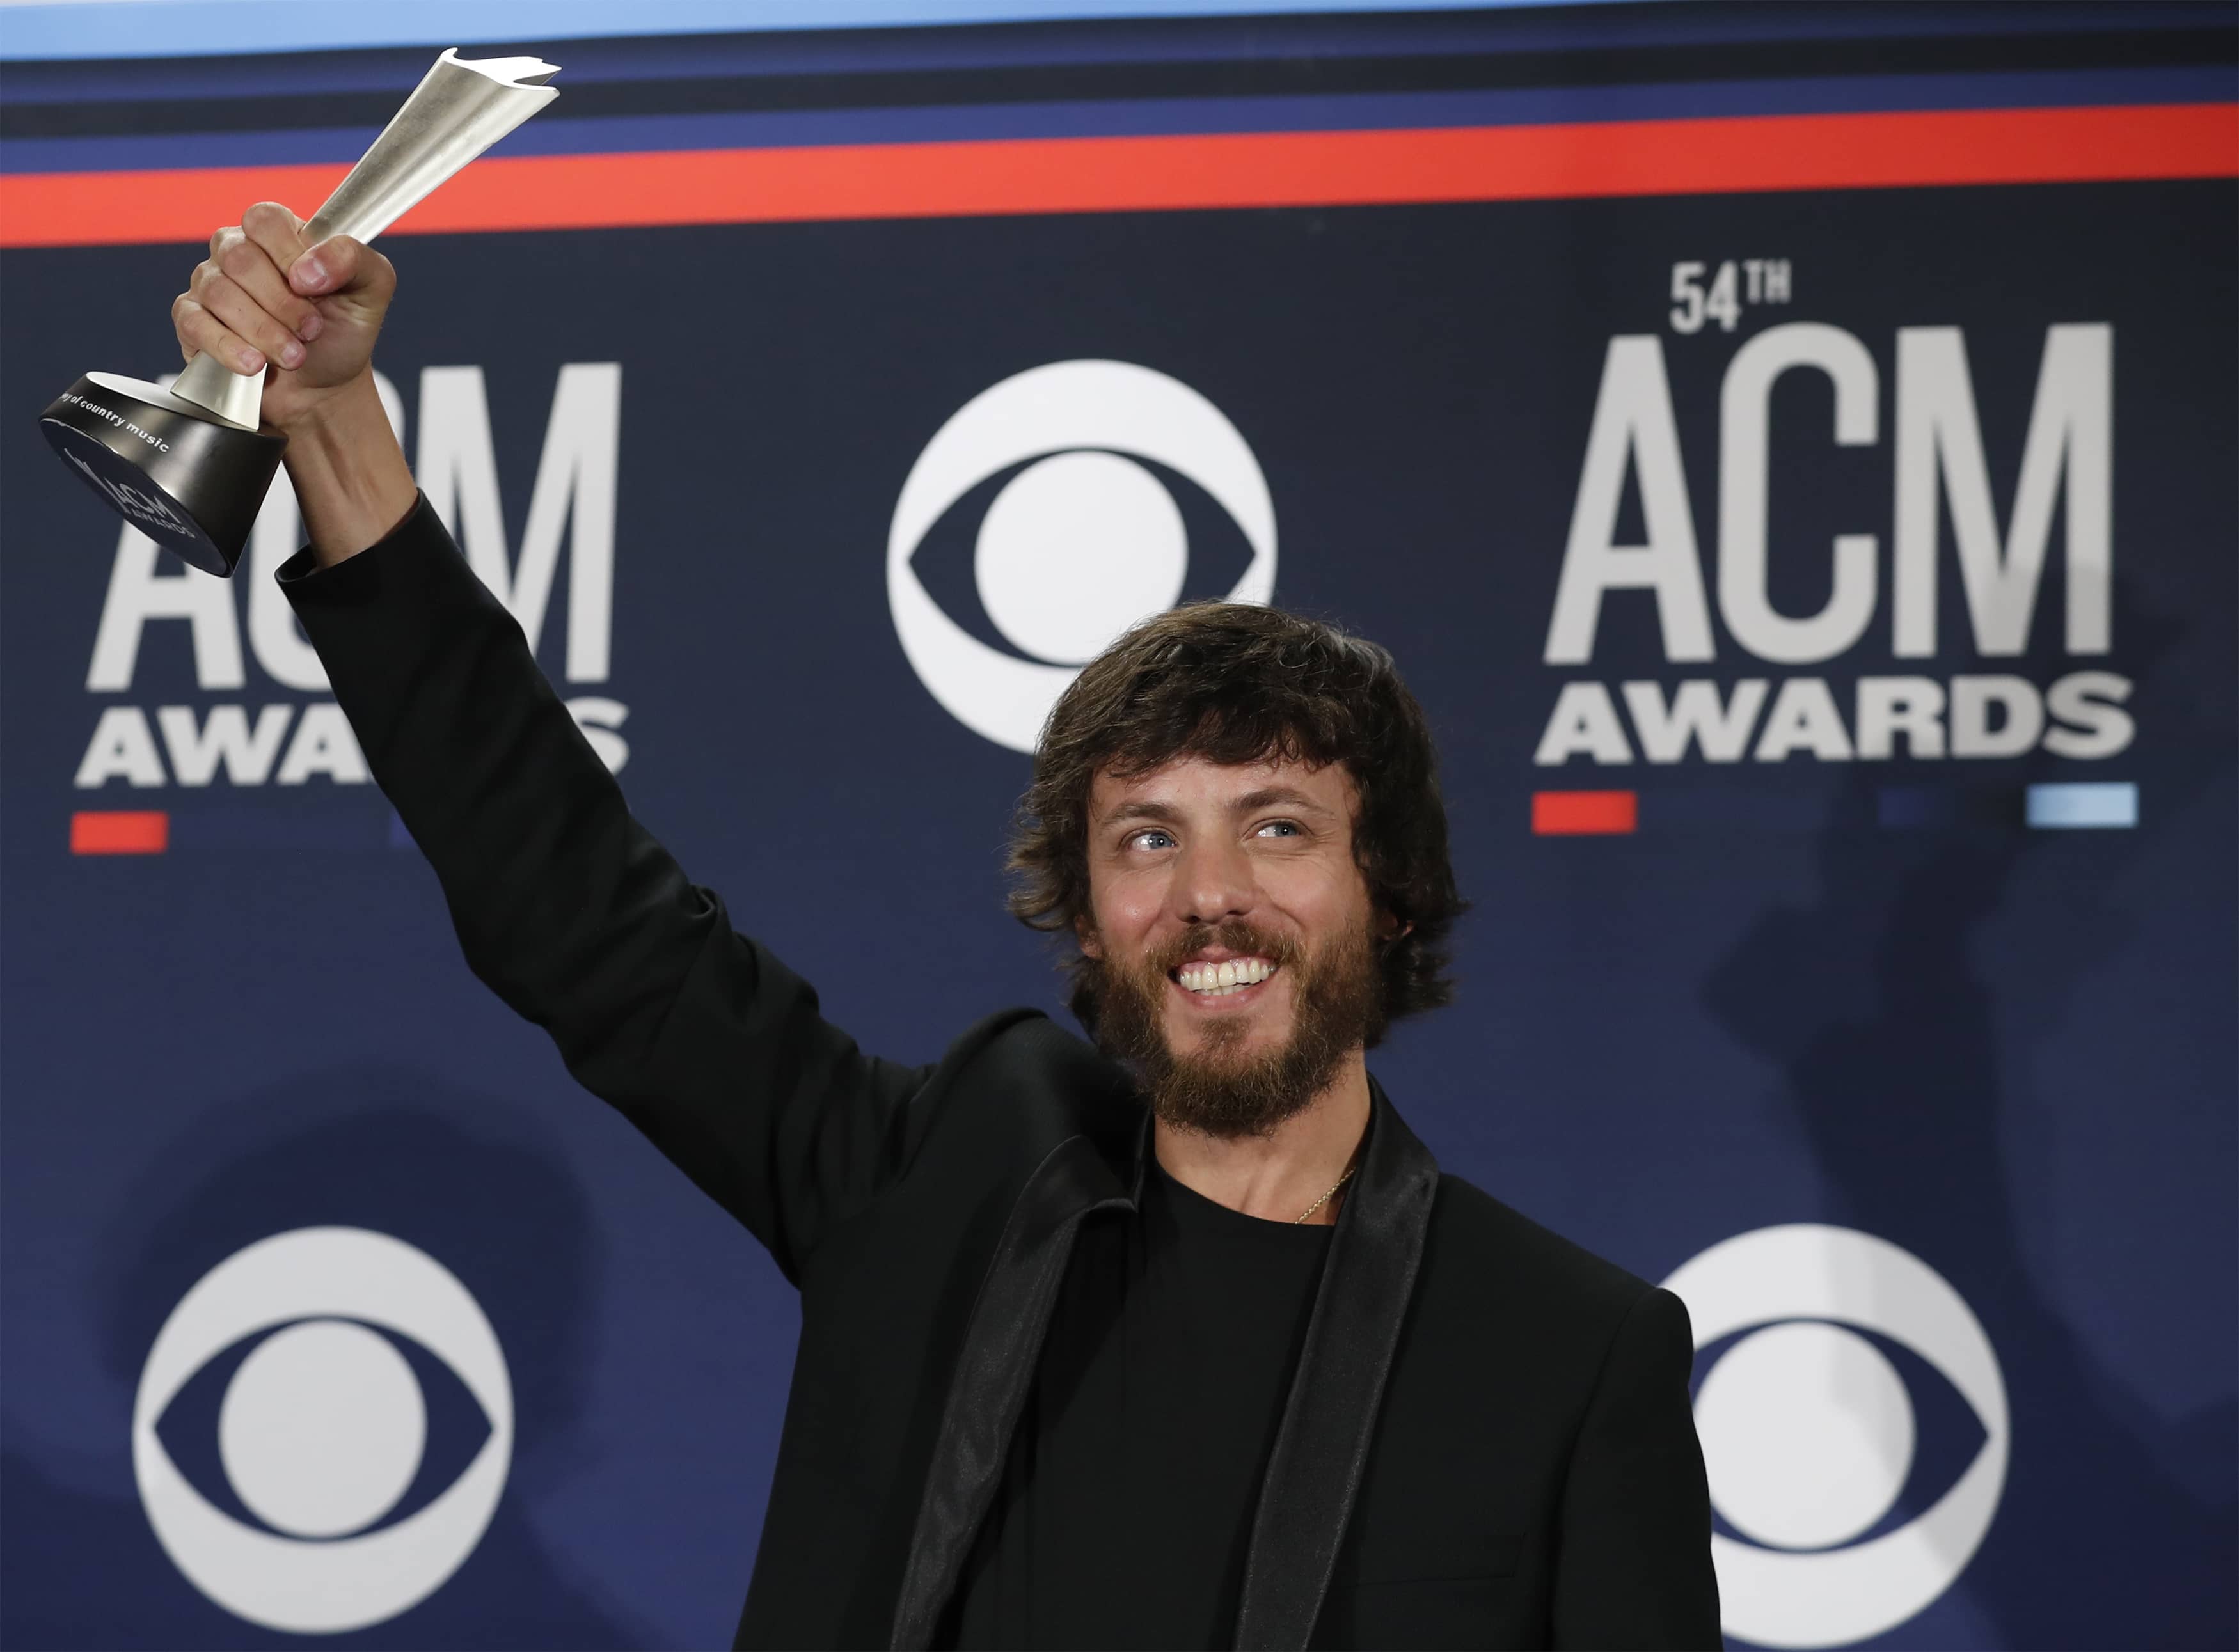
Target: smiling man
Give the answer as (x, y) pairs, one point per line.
(1176, 1339)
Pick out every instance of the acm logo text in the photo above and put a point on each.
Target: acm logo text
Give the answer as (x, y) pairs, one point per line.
(1939, 467)
(290, 741)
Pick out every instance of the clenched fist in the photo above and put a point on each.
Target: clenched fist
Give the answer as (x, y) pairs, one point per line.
(266, 297)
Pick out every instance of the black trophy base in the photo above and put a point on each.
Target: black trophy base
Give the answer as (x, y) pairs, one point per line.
(181, 475)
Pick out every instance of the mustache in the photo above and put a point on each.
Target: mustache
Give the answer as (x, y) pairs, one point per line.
(1231, 934)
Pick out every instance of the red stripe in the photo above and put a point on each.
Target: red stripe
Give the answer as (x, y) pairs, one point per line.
(1584, 813)
(1138, 174)
(120, 831)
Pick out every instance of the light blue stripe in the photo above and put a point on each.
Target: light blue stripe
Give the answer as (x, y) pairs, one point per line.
(2072, 807)
(196, 28)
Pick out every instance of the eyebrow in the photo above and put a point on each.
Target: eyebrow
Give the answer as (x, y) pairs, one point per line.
(1139, 810)
(1267, 797)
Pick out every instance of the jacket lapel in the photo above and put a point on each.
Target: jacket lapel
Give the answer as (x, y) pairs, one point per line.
(1322, 1446)
(1002, 1346)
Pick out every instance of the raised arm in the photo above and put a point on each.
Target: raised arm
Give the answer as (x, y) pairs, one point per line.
(565, 905)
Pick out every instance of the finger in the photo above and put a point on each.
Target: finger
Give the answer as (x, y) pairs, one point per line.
(226, 300)
(203, 334)
(339, 266)
(278, 233)
(249, 266)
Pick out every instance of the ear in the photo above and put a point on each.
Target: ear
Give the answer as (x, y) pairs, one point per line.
(1092, 944)
(1390, 929)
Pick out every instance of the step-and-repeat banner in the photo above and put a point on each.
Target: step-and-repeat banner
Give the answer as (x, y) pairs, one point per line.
(1798, 486)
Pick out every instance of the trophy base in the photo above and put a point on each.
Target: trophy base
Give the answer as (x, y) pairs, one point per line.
(188, 480)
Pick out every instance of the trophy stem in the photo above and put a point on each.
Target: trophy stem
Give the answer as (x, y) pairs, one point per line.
(190, 466)
(455, 113)
(234, 397)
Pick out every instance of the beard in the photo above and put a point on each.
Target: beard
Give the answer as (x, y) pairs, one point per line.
(1219, 1088)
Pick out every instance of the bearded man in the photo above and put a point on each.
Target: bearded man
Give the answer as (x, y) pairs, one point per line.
(1180, 1339)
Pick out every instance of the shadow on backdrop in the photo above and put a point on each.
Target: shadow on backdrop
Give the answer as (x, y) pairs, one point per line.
(463, 1177)
(1874, 1004)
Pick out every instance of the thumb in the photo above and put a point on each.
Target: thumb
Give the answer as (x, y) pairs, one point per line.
(338, 264)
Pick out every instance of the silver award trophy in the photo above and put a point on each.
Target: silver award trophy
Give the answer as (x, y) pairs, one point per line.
(188, 467)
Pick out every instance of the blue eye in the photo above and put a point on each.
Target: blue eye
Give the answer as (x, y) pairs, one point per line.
(1144, 839)
(1290, 828)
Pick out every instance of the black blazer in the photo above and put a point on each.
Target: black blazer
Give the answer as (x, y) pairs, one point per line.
(1488, 1441)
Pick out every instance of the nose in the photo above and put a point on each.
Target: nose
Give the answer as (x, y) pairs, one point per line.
(1214, 882)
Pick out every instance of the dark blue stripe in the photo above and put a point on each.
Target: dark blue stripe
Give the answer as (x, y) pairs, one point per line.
(1137, 41)
(1860, 94)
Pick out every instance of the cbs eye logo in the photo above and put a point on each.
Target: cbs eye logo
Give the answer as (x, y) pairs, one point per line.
(1809, 1431)
(1079, 544)
(323, 1430)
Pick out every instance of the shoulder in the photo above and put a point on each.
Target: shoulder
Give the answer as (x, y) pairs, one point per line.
(1483, 1250)
(1509, 1319)
(1024, 1047)
(1019, 1073)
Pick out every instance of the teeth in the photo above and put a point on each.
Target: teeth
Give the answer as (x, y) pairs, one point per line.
(1217, 980)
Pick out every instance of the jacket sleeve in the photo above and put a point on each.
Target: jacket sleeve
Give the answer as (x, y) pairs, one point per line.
(575, 916)
(1633, 1564)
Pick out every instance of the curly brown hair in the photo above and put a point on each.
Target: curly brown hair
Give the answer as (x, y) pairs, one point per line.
(1237, 683)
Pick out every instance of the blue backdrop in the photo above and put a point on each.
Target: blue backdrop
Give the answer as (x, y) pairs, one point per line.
(1900, 938)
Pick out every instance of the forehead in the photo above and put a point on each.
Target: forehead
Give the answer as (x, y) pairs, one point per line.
(1198, 783)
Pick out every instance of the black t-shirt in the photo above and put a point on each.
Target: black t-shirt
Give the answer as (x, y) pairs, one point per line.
(1128, 1498)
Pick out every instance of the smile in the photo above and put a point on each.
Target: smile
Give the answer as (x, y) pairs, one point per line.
(1225, 979)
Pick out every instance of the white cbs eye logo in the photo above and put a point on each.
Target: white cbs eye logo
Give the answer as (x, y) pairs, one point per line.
(322, 1430)
(1808, 1431)
(1078, 545)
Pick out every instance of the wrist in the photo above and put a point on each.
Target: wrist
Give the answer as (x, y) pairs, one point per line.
(308, 414)
(349, 474)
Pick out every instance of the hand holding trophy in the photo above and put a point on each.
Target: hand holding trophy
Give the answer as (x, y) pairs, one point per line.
(189, 467)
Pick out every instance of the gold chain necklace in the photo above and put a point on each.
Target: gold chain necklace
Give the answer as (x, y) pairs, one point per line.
(1327, 1196)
